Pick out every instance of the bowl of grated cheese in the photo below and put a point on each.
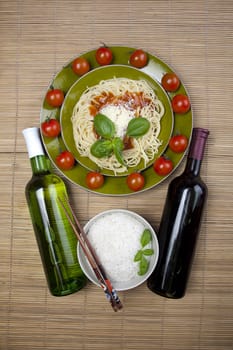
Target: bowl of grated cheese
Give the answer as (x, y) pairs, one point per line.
(126, 246)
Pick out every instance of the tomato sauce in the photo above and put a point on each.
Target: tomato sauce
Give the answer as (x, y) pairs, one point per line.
(131, 101)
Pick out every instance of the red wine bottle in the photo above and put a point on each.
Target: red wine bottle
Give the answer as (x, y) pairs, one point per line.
(180, 224)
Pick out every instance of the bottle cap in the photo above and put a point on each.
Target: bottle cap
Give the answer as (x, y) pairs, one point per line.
(33, 142)
(197, 146)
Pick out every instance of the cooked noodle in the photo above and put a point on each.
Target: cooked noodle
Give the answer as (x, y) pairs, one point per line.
(136, 98)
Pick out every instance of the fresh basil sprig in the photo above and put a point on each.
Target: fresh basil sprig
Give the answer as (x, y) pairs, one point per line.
(102, 148)
(146, 237)
(143, 266)
(141, 254)
(118, 147)
(109, 143)
(104, 126)
(137, 127)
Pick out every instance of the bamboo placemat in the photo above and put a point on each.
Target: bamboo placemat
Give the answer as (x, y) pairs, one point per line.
(37, 38)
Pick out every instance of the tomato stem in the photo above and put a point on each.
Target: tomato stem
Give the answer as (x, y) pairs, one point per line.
(103, 44)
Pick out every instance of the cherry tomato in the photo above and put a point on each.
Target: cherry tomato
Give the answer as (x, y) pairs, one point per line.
(80, 66)
(51, 127)
(163, 166)
(55, 97)
(180, 104)
(178, 143)
(170, 82)
(135, 181)
(103, 55)
(94, 180)
(138, 58)
(65, 160)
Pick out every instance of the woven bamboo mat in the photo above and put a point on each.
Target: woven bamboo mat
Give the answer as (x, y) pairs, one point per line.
(37, 38)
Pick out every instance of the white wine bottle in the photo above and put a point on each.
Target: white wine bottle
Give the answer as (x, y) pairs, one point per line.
(55, 237)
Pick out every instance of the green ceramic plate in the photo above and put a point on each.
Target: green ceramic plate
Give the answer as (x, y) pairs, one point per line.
(93, 78)
(66, 80)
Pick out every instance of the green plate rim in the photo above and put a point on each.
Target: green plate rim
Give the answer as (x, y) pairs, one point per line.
(114, 186)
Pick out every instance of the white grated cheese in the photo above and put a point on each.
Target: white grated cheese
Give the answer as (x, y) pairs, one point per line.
(120, 116)
(116, 239)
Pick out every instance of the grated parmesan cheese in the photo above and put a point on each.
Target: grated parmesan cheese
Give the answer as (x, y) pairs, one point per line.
(120, 116)
(116, 239)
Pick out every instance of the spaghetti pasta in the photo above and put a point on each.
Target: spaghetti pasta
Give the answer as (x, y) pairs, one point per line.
(120, 99)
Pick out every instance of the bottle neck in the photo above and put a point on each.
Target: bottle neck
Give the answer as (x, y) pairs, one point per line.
(196, 151)
(193, 166)
(40, 165)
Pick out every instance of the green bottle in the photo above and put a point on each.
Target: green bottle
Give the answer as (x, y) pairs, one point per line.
(55, 237)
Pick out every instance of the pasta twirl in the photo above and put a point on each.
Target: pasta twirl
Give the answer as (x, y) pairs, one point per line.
(120, 99)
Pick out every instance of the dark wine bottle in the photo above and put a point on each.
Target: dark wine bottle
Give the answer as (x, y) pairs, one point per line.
(55, 237)
(180, 224)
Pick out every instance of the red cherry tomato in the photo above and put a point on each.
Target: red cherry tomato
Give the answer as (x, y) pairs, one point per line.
(55, 97)
(80, 66)
(65, 160)
(135, 181)
(104, 56)
(51, 127)
(163, 166)
(180, 104)
(138, 58)
(170, 82)
(94, 180)
(178, 143)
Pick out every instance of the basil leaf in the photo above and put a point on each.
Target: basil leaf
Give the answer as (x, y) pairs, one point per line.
(138, 255)
(118, 147)
(146, 237)
(143, 266)
(137, 127)
(101, 148)
(104, 126)
(148, 252)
